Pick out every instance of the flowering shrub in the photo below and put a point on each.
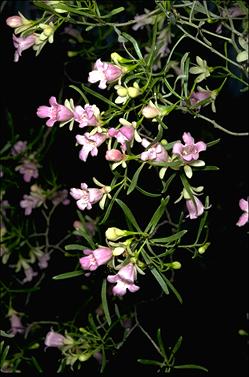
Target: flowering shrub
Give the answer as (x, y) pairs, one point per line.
(146, 181)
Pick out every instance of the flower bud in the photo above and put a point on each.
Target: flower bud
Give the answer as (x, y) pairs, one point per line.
(113, 234)
(121, 91)
(203, 248)
(150, 111)
(176, 265)
(133, 92)
(14, 21)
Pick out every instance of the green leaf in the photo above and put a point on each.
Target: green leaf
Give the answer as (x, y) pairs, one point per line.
(36, 365)
(99, 96)
(160, 343)
(157, 216)
(167, 183)
(190, 366)
(129, 215)
(135, 179)
(147, 193)
(134, 43)
(74, 247)
(174, 290)
(67, 275)
(108, 210)
(4, 352)
(169, 239)
(80, 92)
(149, 362)
(156, 274)
(104, 303)
(113, 12)
(211, 143)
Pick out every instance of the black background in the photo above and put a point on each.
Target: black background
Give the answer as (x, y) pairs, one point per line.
(215, 288)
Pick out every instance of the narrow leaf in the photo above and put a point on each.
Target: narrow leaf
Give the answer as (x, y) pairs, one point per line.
(68, 275)
(134, 43)
(129, 214)
(99, 96)
(135, 179)
(105, 304)
(74, 247)
(169, 239)
(157, 216)
(149, 362)
(174, 290)
(190, 366)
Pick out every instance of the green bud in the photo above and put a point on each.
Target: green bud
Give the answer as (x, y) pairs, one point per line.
(113, 233)
(203, 248)
(176, 265)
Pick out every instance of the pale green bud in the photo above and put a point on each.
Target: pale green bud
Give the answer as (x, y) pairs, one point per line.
(176, 265)
(113, 233)
(203, 248)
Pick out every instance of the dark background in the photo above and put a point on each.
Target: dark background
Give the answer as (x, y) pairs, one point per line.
(215, 287)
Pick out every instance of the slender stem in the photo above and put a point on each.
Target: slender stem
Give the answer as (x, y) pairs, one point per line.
(216, 125)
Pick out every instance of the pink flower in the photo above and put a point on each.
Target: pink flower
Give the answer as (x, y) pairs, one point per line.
(124, 279)
(155, 153)
(43, 261)
(29, 274)
(114, 155)
(244, 217)
(85, 196)
(60, 197)
(86, 116)
(195, 208)
(95, 258)
(90, 144)
(54, 339)
(28, 169)
(34, 200)
(105, 73)
(16, 324)
(123, 135)
(14, 21)
(199, 96)
(18, 147)
(55, 113)
(190, 151)
(21, 44)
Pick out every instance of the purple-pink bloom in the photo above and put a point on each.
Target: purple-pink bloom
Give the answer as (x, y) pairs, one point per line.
(60, 197)
(54, 339)
(244, 217)
(86, 116)
(18, 147)
(90, 144)
(43, 261)
(28, 169)
(195, 208)
(155, 153)
(85, 196)
(199, 96)
(95, 258)
(21, 44)
(16, 324)
(55, 113)
(123, 135)
(114, 155)
(29, 202)
(14, 21)
(124, 280)
(190, 150)
(29, 274)
(104, 73)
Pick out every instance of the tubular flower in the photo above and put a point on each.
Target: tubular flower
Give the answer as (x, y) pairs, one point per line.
(18, 147)
(190, 150)
(104, 73)
(21, 44)
(155, 153)
(87, 116)
(55, 113)
(244, 217)
(90, 144)
(85, 196)
(28, 169)
(124, 134)
(95, 258)
(16, 324)
(54, 339)
(195, 209)
(124, 280)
